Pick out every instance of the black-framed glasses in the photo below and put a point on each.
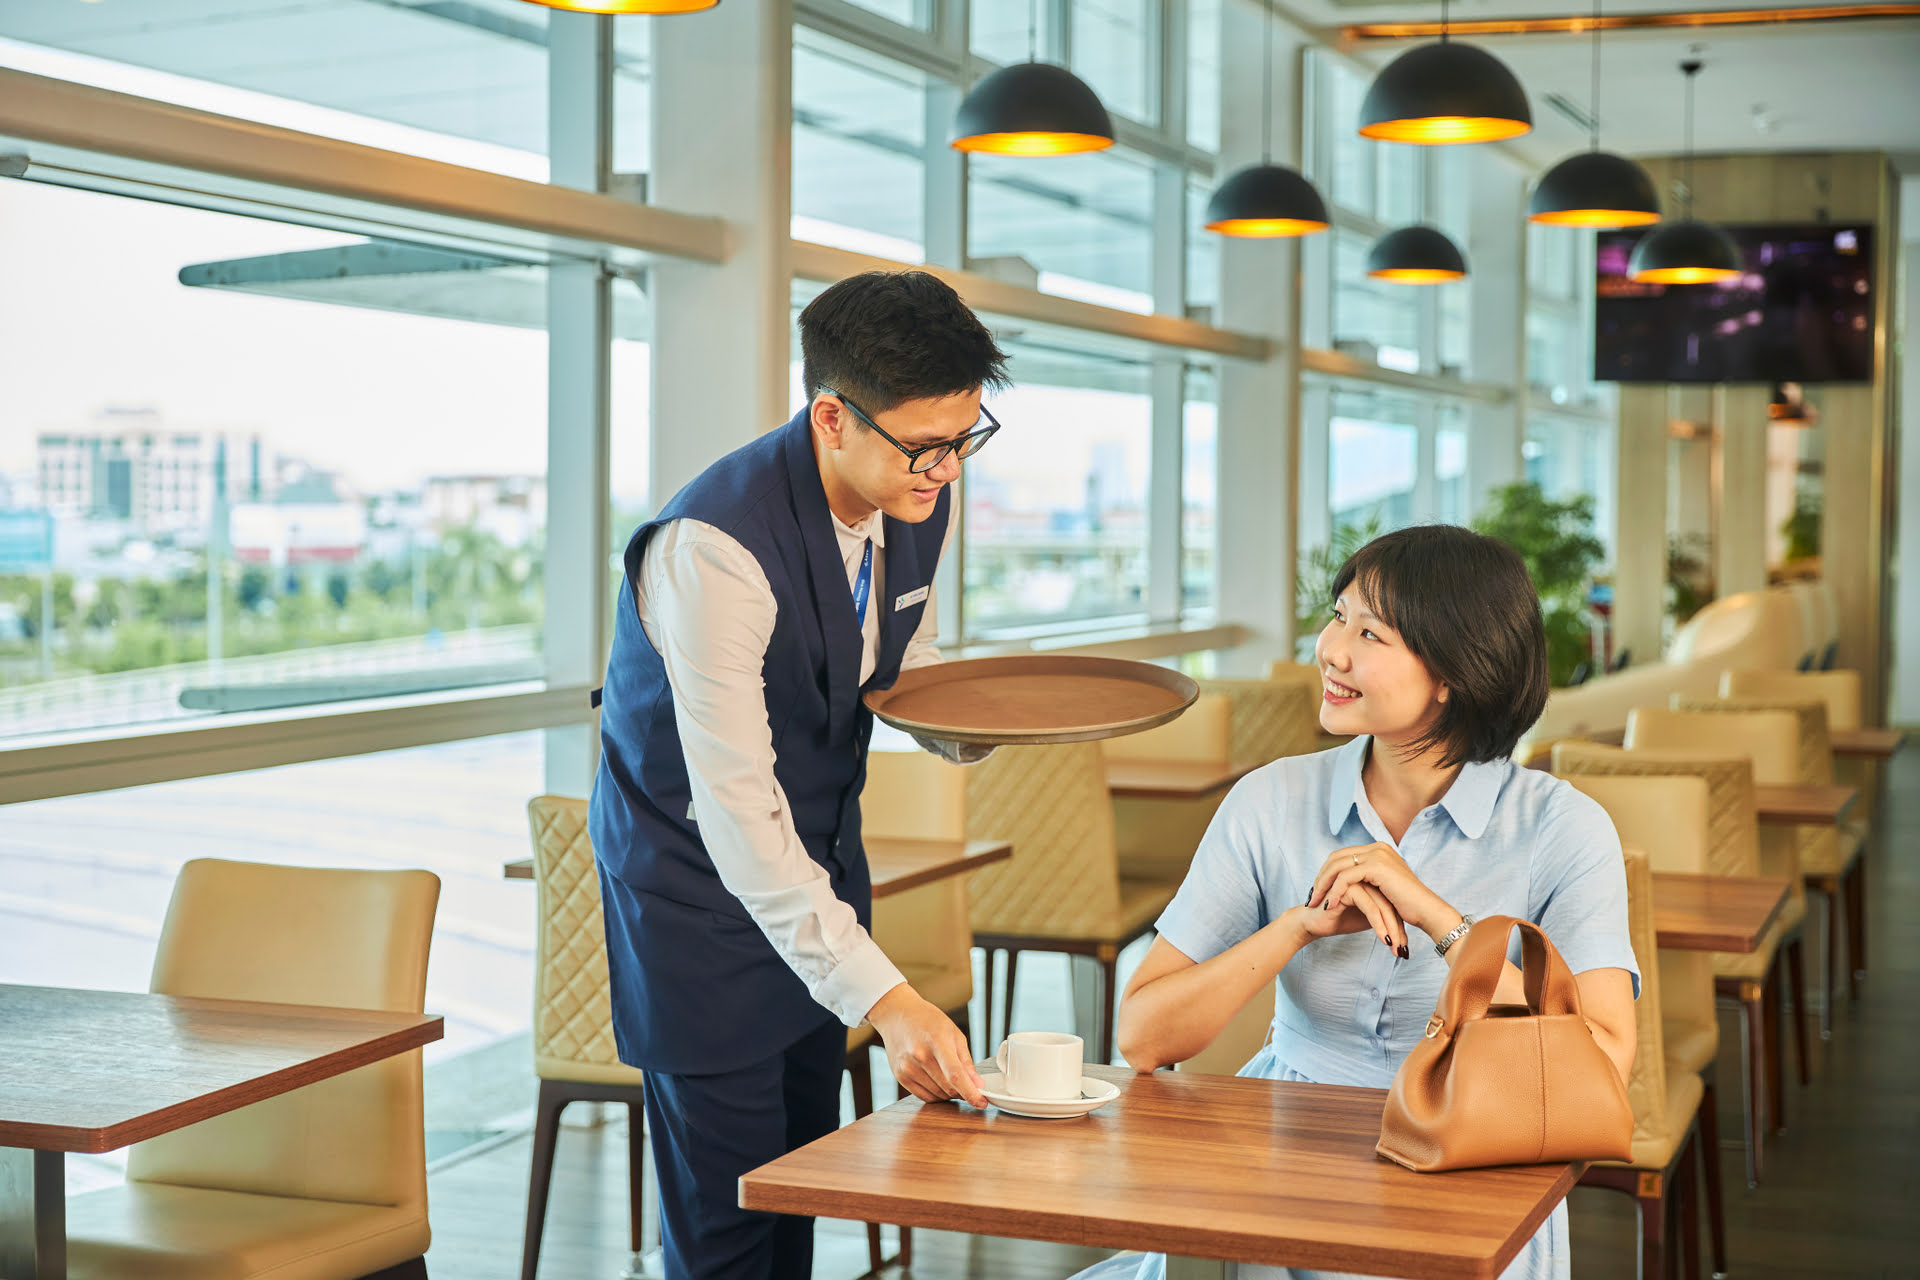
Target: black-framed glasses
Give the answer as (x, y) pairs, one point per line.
(924, 458)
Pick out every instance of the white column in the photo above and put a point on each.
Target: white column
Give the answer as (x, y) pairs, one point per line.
(579, 341)
(1906, 630)
(722, 145)
(1496, 252)
(1258, 401)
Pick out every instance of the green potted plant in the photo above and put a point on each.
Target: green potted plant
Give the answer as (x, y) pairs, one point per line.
(1556, 540)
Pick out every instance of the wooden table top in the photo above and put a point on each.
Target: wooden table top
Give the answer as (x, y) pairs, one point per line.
(86, 1070)
(1192, 1165)
(897, 865)
(1876, 744)
(1714, 913)
(1171, 779)
(1805, 803)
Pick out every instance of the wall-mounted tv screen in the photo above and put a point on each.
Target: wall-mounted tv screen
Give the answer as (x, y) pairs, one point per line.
(1803, 312)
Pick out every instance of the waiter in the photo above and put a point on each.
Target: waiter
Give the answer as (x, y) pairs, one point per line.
(786, 580)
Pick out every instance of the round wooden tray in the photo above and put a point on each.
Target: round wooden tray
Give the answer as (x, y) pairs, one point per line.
(1033, 698)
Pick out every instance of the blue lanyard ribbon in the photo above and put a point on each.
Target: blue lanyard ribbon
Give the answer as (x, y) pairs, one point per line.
(863, 585)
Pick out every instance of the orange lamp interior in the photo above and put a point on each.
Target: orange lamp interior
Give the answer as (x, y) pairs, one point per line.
(1595, 218)
(629, 6)
(1441, 130)
(1266, 228)
(1688, 275)
(1032, 144)
(1417, 275)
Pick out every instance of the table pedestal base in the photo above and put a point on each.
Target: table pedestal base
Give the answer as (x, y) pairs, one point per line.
(33, 1214)
(1195, 1269)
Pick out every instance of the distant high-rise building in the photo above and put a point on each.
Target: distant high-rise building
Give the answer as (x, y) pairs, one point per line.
(127, 464)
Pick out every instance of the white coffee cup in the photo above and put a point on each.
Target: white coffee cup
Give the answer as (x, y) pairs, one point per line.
(1041, 1065)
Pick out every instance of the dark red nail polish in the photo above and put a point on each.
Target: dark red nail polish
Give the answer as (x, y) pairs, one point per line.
(1403, 951)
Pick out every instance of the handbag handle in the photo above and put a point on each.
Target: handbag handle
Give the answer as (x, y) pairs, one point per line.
(1483, 954)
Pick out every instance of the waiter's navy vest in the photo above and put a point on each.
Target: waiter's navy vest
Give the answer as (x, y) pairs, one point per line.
(697, 988)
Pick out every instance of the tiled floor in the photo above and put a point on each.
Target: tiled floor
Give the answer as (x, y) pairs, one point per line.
(1841, 1198)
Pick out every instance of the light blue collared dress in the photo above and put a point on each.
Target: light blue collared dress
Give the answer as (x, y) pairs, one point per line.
(1503, 841)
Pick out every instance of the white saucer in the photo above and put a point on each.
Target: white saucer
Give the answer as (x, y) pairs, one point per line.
(1094, 1094)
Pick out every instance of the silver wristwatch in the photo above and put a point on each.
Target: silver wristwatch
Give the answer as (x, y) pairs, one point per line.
(1454, 935)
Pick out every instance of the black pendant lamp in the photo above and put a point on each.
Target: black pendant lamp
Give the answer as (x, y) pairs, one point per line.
(1266, 200)
(1687, 251)
(1032, 109)
(628, 6)
(1444, 93)
(1416, 255)
(1595, 188)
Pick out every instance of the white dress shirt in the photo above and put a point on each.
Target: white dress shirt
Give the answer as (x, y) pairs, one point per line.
(706, 606)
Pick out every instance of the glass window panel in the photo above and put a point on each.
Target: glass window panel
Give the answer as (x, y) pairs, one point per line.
(1552, 257)
(1375, 320)
(1550, 353)
(88, 878)
(1203, 256)
(465, 83)
(1349, 156)
(1450, 467)
(632, 97)
(859, 138)
(1566, 458)
(1084, 223)
(1008, 31)
(1203, 73)
(1374, 459)
(1114, 50)
(1056, 528)
(909, 13)
(1397, 185)
(1199, 502)
(346, 438)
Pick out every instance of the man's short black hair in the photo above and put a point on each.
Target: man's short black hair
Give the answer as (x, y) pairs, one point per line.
(1466, 608)
(886, 337)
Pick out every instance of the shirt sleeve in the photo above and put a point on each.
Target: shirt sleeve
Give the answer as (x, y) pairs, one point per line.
(1579, 891)
(1222, 903)
(923, 650)
(706, 606)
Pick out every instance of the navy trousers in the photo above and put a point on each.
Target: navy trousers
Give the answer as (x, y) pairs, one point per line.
(708, 1130)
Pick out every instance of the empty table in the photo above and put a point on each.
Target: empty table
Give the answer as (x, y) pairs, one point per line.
(1172, 779)
(1203, 1168)
(897, 865)
(1714, 913)
(97, 1070)
(1798, 803)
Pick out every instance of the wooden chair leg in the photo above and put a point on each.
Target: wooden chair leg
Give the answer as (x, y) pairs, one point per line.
(546, 1134)
(1689, 1172)
(1753, 1061)
(1830, 895)
(1109, 1003)
(1653, 1230)
(860, 1075)
(636, 1173)
(1006, 1012)
(1710, 1166)
(1795, 962)
(1856, 892)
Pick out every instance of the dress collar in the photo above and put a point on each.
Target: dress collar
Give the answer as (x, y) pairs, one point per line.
(1469, 801)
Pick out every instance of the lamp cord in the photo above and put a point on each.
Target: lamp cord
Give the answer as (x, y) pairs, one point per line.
(1033, 31)
(1443, 21)
(1593, 122)
(1690, 68)
(1266, 90)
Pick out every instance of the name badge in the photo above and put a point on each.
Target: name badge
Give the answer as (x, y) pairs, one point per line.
(910, 599)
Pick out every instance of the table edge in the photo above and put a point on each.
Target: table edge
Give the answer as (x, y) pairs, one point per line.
(975, 857)
(86, 1140)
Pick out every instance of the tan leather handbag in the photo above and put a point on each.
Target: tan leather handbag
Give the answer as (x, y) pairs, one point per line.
(1501, 1084)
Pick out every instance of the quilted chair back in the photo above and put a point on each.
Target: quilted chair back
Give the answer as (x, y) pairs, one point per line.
(351, 939)
(1816, 845)
(572, 1002)
(915, 795)
(1268, 719)
(1658, 1125)
(1733, 830)
(1063, 880)
(1840, 690)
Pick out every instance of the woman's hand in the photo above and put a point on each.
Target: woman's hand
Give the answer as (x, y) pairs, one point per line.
(1364, 908)
(1378, 869)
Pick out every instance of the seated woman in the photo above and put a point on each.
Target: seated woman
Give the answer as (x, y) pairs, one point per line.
(1324, 869)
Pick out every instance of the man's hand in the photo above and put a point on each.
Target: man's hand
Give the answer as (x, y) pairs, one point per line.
(929, 1055)
(954, 752)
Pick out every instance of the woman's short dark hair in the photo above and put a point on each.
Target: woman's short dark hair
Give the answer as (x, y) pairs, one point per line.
(1464, 605)
(886, 337)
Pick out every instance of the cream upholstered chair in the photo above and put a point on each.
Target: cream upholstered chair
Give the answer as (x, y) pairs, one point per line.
(328, 1182)
(1157, 837)
(1840, 690)
(1666, 1106)
(1667, 817)
(1733, 848)
(1268, 719)
(1829, 855)
(573, 1049)
(1062, 890)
